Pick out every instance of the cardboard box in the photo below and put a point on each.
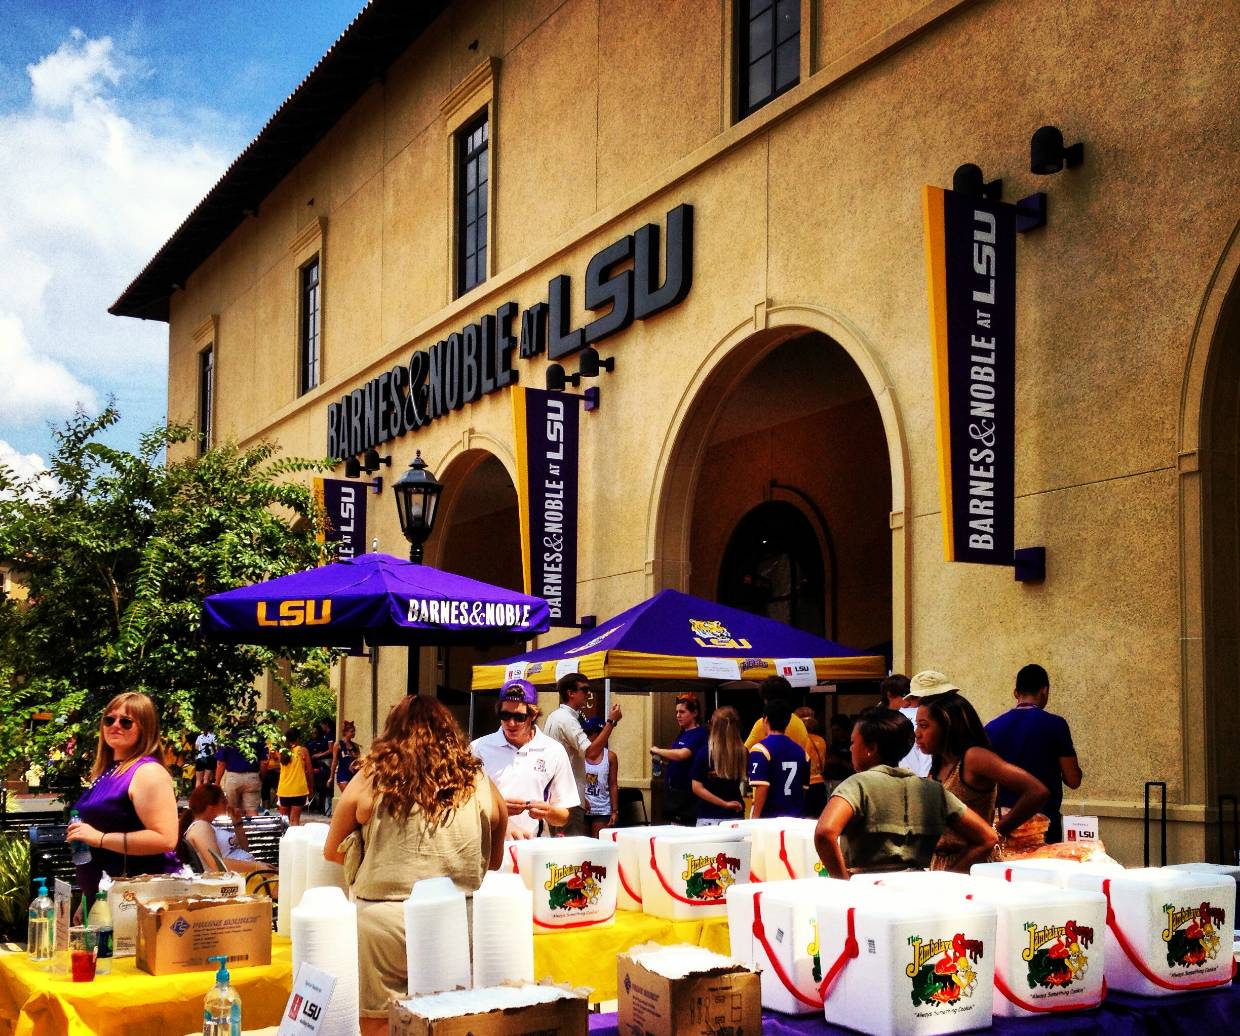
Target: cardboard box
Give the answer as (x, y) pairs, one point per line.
(180, 934)
(567, 1015)
(124, 897)
(723, 999)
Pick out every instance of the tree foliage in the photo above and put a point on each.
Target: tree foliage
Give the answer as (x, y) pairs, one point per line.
(117, 550)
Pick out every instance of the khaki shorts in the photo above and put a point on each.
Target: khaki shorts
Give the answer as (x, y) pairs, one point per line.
(382, 967)
(243, 791)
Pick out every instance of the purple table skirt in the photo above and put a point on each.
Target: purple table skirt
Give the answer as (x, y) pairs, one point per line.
(1199, 1014)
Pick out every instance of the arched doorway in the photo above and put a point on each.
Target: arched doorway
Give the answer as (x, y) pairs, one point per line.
(787, 431)
(1210, 542)
(478, 536)
(773, 566)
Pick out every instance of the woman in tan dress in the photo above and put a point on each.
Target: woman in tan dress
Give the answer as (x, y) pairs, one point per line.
(949, 730)
(423, 808)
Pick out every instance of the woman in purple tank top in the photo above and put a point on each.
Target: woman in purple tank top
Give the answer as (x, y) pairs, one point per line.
(129, 813)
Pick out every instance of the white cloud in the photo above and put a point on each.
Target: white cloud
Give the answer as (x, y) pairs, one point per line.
(90, 187)
(35, 388)
(26, 465)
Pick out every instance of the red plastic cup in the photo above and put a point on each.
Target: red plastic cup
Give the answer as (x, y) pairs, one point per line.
(82, 965)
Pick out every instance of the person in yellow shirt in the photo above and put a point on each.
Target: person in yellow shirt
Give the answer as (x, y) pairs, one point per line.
(777, 687)
(296, 777)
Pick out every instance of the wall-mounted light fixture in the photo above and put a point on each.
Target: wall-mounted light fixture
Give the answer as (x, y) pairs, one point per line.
(969, 181)
(1047, 154)
(589, 365)
(352, 468)
(371, 460)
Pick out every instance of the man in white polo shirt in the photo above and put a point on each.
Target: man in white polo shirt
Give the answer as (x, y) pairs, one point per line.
(531, 770)
(564, 726)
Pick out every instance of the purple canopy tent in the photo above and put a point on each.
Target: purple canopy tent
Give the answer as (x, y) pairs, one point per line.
(373, 599)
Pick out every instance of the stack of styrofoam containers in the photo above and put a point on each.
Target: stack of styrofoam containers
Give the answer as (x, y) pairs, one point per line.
(294, 847)
(436, 937)
(321, 872)
(324, 927)
(503, 930)
(763, 835)
(573, 881)
(1049, 951)
(787, 953)
(633, 842)
(1169, 931)
(685, 875)
(924, 964)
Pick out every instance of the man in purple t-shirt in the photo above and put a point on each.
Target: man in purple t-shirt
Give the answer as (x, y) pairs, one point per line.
(1038, 741)
(778, 767)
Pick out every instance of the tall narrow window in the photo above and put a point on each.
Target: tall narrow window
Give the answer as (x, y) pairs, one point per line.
(769, 37)
(206, 398)
(471, 201)
(310, 324)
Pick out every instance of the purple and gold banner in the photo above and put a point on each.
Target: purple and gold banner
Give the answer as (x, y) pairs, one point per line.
(971, 269)
(344, 506)
(546, 429)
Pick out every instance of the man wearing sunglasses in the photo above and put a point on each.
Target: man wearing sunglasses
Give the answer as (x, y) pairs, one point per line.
(531, 770)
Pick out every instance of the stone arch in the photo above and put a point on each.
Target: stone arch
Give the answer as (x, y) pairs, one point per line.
(722, 368)
(1208, 462)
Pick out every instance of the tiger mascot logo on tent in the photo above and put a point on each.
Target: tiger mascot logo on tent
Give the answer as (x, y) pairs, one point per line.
(711, 633)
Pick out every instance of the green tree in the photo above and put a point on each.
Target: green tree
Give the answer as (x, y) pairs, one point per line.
(117, 550)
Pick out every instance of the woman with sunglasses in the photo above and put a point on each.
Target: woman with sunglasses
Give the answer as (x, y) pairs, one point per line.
(129, 813)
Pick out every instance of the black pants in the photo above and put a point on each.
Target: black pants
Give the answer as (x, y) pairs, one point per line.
(815, 800)
(680, 807)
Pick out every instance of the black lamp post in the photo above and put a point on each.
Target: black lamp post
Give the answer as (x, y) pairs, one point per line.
(417, 499)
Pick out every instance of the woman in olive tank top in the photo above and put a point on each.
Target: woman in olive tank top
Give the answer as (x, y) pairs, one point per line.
(423, 808)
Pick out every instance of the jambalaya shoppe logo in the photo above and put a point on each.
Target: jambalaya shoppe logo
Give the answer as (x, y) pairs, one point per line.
(942, 969)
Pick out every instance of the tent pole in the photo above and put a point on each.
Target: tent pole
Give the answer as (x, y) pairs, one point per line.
(606, 696)
(473, 697)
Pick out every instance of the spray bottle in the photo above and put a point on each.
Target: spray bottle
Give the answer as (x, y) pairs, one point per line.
(221, 1011)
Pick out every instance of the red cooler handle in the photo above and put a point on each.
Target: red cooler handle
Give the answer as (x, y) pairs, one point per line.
(759, 933)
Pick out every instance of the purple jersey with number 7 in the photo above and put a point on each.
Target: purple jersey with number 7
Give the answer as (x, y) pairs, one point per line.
(780, 763)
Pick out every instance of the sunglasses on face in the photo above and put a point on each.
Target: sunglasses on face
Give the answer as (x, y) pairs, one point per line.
(513, 717)
(125, 722)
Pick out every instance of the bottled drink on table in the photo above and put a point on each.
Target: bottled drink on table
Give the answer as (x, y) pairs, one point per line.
(79, 851)
(42, 920)
(101, 918)
(221, 1011)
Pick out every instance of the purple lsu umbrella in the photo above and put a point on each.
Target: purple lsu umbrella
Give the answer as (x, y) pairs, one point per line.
(375, 598)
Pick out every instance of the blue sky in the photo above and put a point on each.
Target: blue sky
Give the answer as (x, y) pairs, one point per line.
(116, 117)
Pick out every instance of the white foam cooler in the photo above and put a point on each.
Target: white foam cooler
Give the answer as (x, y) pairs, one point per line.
(796, 856)
(687, 874)
(1168, 931)
(924, 963)
(1050, 945)
(1209, 868)
(633, 842)
(763, 835)
(509, 864)
(784, 947)
(574, 881)
(1048, 871)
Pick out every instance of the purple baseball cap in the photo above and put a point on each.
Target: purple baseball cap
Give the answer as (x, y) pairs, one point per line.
(519, 690)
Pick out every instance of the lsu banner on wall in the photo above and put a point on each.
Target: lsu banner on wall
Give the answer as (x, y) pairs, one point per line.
(971, 267)
(344, 505)
(546, 431)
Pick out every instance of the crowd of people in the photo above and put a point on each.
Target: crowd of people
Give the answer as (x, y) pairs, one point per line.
(914, 782)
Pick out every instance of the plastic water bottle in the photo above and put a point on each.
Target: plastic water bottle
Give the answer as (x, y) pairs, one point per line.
(79, 851)
(221, 1011)
(42, 919)
(101, 918)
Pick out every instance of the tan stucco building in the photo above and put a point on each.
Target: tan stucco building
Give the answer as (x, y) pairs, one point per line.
(796, 372)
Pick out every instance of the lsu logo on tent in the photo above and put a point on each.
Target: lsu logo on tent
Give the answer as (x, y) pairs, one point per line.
(713, 633)
(296, 613)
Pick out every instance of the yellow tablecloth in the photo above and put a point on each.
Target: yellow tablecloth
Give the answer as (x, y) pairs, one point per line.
(36, 1002)
(587, 957)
